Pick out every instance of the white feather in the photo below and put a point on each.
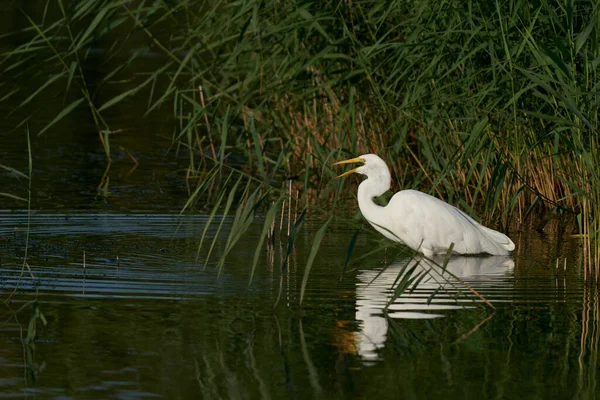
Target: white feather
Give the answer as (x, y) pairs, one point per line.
(422, 222)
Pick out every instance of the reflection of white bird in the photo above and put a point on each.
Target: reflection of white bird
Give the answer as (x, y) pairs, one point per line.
(422, 222)
(374, 289)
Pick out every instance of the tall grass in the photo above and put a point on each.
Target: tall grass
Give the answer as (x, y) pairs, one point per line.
(492, 106)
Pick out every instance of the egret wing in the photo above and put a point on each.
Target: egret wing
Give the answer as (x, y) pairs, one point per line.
(423, 221)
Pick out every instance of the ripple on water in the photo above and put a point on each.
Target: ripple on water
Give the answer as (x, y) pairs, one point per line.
(139, 255)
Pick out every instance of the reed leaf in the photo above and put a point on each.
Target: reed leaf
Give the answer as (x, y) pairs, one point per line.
(63, 113)
(120, 97)
(243, 219)
(224, 216)
(350, 250)
(14, 171)
(269, 218)
(92, 26)
(47, 83)
(404, 279)
(12, 196)
(289, 249)
(311, 257)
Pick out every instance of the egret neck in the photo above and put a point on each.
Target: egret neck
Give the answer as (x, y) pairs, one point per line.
(375, 185)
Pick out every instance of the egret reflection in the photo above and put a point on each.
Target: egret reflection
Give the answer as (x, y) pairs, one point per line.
(374, 289)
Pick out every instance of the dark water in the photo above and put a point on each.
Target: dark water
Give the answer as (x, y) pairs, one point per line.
(144, 319)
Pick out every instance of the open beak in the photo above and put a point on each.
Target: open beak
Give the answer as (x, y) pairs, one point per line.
(350, 161)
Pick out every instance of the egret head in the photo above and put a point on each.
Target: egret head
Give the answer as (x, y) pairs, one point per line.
(373, 166)
(378, 176)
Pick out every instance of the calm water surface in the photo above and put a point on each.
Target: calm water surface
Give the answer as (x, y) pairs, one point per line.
(137, 316)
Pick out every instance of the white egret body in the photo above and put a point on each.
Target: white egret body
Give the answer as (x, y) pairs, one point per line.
(420, 221)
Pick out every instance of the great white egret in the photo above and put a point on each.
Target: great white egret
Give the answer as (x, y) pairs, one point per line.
(420, 221)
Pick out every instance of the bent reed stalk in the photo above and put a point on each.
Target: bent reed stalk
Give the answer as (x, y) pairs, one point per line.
(492, 106)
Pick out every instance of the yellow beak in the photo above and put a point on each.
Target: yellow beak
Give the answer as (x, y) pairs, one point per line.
(350, 161)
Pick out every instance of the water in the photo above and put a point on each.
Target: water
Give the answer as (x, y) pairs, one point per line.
(145, 319)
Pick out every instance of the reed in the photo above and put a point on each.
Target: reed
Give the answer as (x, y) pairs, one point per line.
(492, 106)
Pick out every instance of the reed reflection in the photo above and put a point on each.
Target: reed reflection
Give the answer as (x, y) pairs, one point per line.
(437, 292)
